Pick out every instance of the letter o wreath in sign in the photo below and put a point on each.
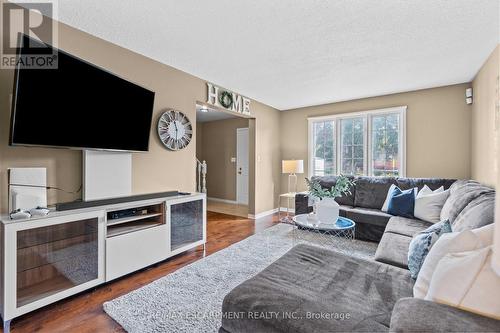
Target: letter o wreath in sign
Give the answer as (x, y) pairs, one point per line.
(226, 99)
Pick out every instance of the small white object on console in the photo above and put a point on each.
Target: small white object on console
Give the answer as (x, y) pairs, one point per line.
(27, 188)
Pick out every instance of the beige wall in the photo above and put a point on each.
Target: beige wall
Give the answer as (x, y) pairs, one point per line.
(496, 246)
(484, 164)
(158, 169)
(438, 130)
(218, 146)
(267, 159)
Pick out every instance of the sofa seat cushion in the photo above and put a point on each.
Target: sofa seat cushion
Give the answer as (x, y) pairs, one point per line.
(317, 281)
(393, 250)
(343, 209)
(368, 216)
(405, 226)
(372, 191)
(369, 232)
(416, 315)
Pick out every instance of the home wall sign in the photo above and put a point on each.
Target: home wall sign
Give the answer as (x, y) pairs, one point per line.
(227, 99)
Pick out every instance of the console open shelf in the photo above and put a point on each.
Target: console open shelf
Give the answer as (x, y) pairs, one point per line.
(134, 219)
(131, 219)
(131, 227)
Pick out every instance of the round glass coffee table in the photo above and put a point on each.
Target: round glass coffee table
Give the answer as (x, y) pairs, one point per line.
(308, 229)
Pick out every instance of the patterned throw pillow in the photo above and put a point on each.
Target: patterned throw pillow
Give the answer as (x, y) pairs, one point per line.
(422, 243)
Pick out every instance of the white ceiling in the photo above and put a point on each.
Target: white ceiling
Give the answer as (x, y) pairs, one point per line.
(211, 115)
(298, 53)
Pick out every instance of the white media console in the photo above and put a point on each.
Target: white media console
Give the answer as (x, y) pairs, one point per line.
(50, 258)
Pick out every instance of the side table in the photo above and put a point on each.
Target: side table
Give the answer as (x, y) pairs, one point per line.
(287, 196)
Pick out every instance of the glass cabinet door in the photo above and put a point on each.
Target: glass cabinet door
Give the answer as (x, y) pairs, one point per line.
(55, 258)
(186, 223)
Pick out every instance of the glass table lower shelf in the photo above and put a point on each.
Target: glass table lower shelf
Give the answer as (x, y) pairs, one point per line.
(308, 229)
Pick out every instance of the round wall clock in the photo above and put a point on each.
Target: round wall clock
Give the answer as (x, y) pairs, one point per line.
(174, 129)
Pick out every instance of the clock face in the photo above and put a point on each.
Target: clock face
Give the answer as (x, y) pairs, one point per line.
(175, 130)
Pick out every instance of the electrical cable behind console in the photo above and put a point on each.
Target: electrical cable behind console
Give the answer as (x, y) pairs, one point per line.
(50, 188)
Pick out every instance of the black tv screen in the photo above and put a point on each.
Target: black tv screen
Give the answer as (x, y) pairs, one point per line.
(78, 105)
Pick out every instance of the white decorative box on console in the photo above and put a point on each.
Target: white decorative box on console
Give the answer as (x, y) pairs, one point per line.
(49, 258)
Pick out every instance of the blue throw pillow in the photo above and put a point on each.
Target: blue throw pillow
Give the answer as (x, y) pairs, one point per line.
(421, 244)
(402, 203)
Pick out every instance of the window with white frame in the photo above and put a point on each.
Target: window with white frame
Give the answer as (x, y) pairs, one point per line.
(369, 143)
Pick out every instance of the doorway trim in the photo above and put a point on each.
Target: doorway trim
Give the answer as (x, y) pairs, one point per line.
(252, 183)
(242, 171)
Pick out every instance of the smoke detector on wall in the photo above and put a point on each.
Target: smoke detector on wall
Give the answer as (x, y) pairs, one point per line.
(468, 96)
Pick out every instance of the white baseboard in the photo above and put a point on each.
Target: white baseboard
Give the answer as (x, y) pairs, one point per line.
(284, 209)
(270, 212)
(263, 214)
(223, 200)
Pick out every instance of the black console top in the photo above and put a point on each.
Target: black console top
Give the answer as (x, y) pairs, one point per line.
(103, 202)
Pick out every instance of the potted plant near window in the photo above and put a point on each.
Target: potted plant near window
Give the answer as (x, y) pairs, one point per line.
(325, 207)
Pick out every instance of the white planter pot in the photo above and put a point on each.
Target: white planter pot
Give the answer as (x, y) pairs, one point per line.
(327, 210)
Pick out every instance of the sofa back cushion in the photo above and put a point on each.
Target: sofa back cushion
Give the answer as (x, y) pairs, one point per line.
(432, 183)
(371, 191)
(328, 181)
(478, 213)
(462, 192)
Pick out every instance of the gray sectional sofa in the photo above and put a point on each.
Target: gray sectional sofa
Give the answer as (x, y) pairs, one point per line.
(311, 289)
(365, 202)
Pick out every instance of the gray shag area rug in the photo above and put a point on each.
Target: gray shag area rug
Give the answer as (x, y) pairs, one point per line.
(190, 299)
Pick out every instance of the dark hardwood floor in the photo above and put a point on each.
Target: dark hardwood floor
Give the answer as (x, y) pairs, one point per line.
(84, 313)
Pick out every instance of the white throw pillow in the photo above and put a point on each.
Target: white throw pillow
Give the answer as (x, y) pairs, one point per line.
(485, 234)
(449, 243)
(427, 190)
(454, 275)
(385, 206)
(483, 296)
(428, 206)
(467, 281)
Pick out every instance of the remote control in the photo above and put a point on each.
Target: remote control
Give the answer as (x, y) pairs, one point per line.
(39, 211)
(20, 214)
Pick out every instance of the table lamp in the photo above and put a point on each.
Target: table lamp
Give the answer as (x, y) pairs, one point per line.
(292, 168)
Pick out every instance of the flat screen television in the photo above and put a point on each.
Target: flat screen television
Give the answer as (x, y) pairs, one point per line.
(78, 105)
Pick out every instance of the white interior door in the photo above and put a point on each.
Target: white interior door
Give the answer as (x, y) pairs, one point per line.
(242, 166)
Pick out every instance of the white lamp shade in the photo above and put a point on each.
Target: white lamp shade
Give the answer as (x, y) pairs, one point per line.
(292, 166)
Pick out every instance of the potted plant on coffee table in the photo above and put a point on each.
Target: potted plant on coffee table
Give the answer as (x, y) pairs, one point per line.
(326, 208)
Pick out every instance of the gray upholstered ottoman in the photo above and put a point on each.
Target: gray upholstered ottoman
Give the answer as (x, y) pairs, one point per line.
(311, 289)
